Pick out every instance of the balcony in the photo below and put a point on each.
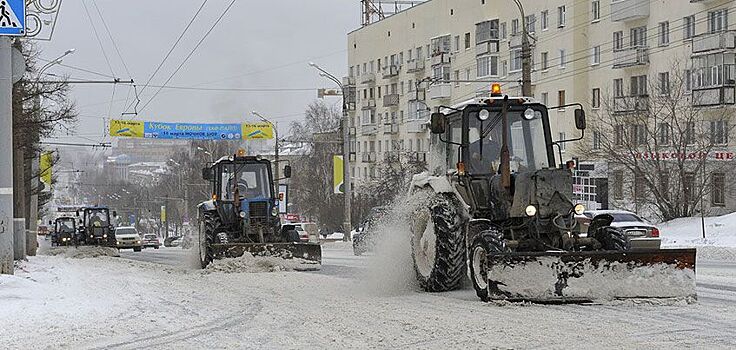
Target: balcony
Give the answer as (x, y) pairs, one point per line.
(417, 95)
(632, 56)
(368, 129)
(440, 58)
(440, 91)
(391, 100)
(391, 128)
(348, 81)
(368, 104)
(417, 125)
(486, 48)
(714, 41)
(629, 10)
(714, 96)
(515, 40)
(630, 104)
(367, 78)
(368, 157)
(419, 157)
(415, 66)
(390, 71)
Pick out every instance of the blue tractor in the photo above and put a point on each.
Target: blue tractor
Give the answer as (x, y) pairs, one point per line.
(243, 214)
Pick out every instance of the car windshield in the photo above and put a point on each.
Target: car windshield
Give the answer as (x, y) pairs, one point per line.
(622, 217)
(249, 180)
(125, 231)
(150, 236)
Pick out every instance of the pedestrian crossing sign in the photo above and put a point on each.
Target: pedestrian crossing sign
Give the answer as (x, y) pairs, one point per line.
(12, 17)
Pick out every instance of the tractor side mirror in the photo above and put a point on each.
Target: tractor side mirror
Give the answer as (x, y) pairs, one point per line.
(51, 222)
(207, 174)
(77, 212)
(580, 119)
(287, 171)
(114, 214)
(437, 123)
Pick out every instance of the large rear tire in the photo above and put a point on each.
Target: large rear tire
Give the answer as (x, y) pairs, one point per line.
(438, 243)
(613, 238)
(487, 242)
(207, 225)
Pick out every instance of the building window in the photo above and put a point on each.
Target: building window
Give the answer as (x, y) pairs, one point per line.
(467, 74)
(718, 190)
(545, 98)
(640, 183)
(457, 78)
(596, 102)
(486, 31)
(719, 132)
(663, 134)
(467, 41)
(638, 37)
(544, 19)
(514, 26)
(618, 131)
(638, 134)
(664, 33)
(717, 20)
(618, 87)
(561, 16)
(562, 58)
(688, 77)
(688, 186)
(545, 60)
(638, 85)
(503, 31)
(618, 185)
(618, 40)
(688, 29)
(596, 140)
(664, 83)
(689, 133)
(531, 23)
(457, 43)
(595, 56)
(561, 98)
(664, 185)
(487, 66)
(516, 61)
(596, 10)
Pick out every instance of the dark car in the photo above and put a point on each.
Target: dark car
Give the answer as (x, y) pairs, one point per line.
(641, 235)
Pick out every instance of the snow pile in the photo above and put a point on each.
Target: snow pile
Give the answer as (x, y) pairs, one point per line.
(254, 264)
(81, 252)
(688, 232)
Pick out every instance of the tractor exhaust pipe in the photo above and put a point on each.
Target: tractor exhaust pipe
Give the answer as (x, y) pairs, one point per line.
(505, 158)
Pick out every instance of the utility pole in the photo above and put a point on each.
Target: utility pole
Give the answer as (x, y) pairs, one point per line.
(526, 55)
(347, 185)
(276, 172)
(6, 157)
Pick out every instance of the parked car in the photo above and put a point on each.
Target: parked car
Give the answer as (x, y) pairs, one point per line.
(641, 234)
(150, 240)
(172, 241)
(307, 231)
(127, 237)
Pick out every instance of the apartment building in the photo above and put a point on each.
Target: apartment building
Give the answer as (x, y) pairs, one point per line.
(603, 54)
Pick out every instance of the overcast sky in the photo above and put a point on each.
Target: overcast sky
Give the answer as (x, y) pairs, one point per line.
(259, 44)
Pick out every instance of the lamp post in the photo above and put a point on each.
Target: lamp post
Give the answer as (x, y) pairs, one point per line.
(212, 158)
(347, 227)
(276, 150)
(526, 55)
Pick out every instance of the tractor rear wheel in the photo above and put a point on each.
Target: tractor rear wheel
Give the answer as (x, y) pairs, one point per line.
(613, 239)
(487, 242)
(207, 225)
(438, 242)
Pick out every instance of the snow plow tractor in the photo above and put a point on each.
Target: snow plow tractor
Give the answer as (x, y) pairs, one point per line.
(95, 227)
(65, 231)
(500, 208)
(243, 214)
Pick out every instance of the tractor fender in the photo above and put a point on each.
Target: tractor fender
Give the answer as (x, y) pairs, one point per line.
(206, 206)
(439, 184)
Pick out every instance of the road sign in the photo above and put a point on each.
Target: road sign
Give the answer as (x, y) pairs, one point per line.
(13, 17)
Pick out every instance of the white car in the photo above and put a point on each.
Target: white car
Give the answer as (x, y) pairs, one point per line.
(642, 235)
(127, 237)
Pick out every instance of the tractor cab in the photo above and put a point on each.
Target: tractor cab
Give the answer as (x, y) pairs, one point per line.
(95, 227)
(65, 230)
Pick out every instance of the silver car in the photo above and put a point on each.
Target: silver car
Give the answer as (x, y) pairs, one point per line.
(642, 235)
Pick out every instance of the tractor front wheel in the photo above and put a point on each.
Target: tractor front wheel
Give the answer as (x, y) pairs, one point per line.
(207, 227)
(487, 242)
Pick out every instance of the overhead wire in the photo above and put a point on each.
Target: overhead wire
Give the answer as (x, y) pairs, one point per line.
(99, 41)
(112, 39)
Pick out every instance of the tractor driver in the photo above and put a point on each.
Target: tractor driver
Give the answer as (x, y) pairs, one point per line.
(484, 154)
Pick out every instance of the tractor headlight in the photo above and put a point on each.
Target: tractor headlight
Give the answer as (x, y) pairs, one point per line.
(579, 209)
(275, 211)
(242, 214)
(104, 236)
(531, 210)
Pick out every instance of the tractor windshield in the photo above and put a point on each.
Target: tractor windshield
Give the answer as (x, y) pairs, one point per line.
(249, 180)
(98, 218)
(527, 146)
(65, 225)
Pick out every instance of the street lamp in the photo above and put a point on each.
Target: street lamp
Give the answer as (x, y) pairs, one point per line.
(53, 62)
(276, 148)
(212, 158)
(347, 227)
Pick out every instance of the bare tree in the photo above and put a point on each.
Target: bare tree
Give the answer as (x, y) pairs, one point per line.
(665, 153)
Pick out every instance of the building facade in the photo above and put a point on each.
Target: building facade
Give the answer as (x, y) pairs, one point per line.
(610, 56)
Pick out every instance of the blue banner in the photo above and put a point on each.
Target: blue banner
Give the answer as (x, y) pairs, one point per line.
(187, 131)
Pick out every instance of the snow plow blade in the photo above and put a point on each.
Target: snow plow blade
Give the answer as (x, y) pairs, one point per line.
(570, 277)
(306, 251)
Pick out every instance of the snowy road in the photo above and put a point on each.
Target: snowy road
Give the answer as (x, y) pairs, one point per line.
(353, 302)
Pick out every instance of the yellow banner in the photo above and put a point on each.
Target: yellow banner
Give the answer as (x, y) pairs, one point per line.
(44, 167)
(257, 131)
(338, 182)
(126, 128)
(163, 213)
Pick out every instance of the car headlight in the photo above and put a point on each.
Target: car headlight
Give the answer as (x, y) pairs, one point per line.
(242, 214)
(138, 242)
(275, 211)
(104, 236)
(579, 209)
(91, 236)
(531, 210)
